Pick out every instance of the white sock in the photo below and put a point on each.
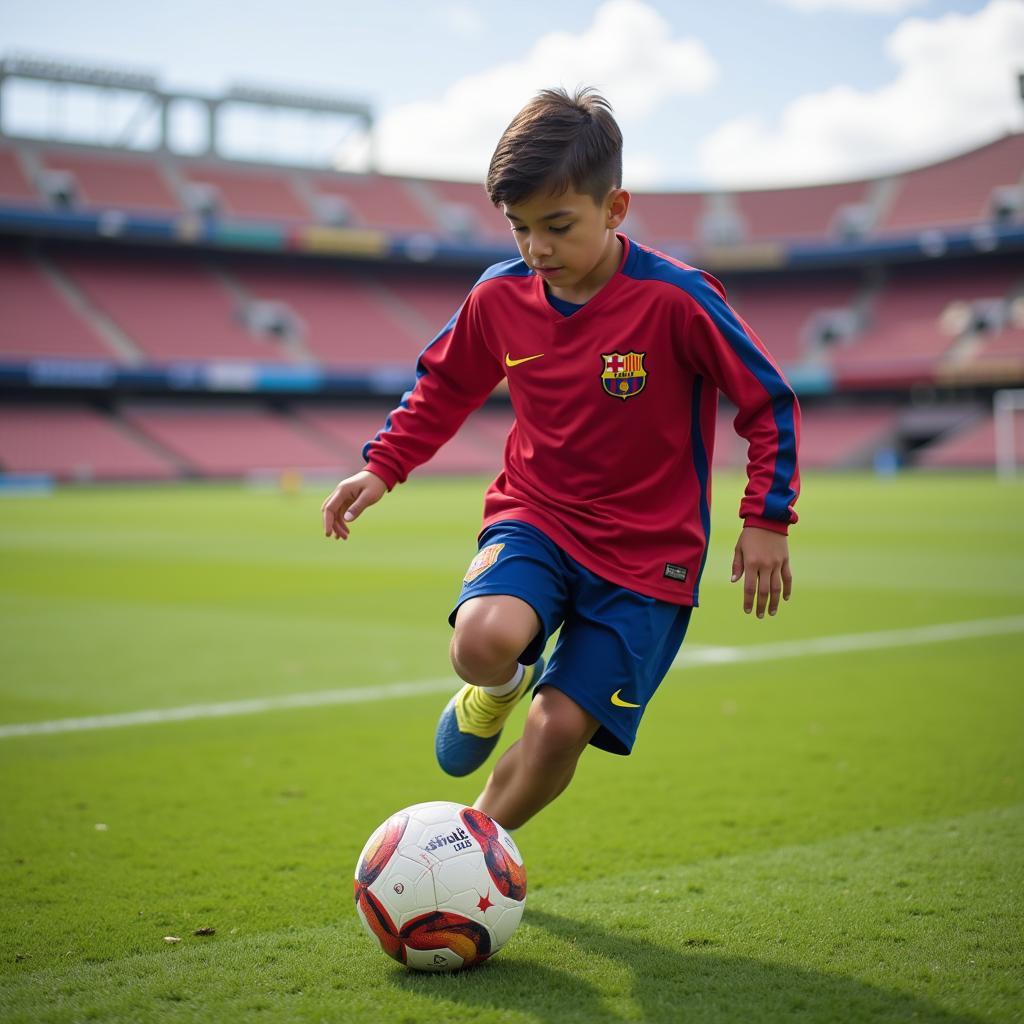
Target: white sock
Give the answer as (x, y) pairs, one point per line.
(506, 688)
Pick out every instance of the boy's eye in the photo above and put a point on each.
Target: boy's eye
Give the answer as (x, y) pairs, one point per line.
(518, 229)
(561, 230)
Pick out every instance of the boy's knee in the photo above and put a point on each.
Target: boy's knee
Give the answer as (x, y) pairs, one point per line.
(490, 634)
(476, 656)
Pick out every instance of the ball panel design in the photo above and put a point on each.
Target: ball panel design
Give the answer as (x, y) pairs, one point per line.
(376, 920)
(381, 847)
(444, 930)
(509, 876)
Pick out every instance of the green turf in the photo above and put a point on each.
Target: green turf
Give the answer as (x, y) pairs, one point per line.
(822, 838)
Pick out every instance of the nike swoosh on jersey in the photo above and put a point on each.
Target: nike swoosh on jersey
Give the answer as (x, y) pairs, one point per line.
(620, 703)
(509, 361)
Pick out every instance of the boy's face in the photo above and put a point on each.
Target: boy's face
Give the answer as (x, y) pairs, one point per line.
(569, 239)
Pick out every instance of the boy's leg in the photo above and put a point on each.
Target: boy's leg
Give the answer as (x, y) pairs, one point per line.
(490, 633)
(533, 771)
(511, 601)
(613, 651)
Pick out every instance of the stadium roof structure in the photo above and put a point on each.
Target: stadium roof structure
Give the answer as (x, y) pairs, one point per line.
(153, 104)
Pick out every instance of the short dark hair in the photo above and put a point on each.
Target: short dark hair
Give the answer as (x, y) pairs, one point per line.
(557, 142)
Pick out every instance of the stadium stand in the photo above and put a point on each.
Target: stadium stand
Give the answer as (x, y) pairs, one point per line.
(796, 213)
(971, 448)
(955, 191)
(348, 319)
(255, 193)
(169, 305)
(476, 448)
(781, 311)
(124, 182)
(898, 315)
(378, 201)
(665, 218)
(74, 443)
(37, 320)
(451, 199)
(15, 185)
(998, 356)
(844, 437)
(231, 441)
(434, 298)
(906, 337)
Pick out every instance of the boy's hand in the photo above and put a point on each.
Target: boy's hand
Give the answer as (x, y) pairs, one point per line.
(348, 499)
(762, 556)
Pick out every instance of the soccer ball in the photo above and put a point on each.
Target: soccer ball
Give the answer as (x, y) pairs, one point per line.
(440, 886)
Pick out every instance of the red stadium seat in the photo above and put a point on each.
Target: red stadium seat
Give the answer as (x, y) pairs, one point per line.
(172, 308)
(15, 185)
(75, 443)
(123, 182)
(955, 191)
(38, 322)
(971, 448)
(234, 441)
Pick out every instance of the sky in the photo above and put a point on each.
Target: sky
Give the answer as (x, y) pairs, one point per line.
(733, 93)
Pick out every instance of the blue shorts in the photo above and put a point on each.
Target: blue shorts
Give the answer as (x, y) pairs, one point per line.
(615, 645)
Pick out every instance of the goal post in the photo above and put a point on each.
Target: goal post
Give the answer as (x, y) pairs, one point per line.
(1006, 405)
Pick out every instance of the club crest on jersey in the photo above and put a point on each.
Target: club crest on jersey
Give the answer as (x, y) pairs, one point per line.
(623, 375)
(485, 558)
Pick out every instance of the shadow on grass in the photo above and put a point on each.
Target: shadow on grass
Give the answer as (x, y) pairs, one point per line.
(631, 978)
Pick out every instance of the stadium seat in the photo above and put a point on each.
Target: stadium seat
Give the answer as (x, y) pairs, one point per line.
(349, 321)
(233, 441)
(171, 307)
(15, 186)
(75, 443)
(38, 322)
(257, 193)
(780, 310)
(378, 201)
(906, 339)
(476, 448)
(121, 182)
(974, 447)
(955, 191)
(805, 213)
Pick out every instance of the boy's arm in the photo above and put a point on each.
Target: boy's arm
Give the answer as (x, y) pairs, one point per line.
(454, 375)
(724, 348)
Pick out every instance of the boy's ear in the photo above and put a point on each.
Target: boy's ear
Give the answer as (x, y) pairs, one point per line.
(617, 206)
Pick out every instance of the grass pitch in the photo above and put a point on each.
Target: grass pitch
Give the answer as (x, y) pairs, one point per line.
(816, 837)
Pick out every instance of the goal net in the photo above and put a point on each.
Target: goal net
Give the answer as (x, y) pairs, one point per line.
(1008, 411)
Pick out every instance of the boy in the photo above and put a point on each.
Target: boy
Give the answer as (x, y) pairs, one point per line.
(599, 520)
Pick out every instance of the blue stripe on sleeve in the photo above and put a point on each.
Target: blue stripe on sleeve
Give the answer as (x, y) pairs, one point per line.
(648, 266)
(700, 464)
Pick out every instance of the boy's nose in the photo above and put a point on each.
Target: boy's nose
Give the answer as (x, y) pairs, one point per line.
(539, 249)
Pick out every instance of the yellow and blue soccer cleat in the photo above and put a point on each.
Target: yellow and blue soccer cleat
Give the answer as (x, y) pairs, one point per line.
(471, 724)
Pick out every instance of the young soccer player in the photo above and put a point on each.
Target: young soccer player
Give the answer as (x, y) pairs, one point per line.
(599, 520)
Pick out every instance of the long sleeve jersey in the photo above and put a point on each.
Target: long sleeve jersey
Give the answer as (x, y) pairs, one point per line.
(615, 409)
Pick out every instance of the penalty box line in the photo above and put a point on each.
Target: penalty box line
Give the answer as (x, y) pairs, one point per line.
(693, 656)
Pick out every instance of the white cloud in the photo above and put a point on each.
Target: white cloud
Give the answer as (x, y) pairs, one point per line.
(857, 6)
(956, 87)
(627, 52)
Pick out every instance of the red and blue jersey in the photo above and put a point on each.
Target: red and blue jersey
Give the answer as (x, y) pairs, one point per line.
(615, 410)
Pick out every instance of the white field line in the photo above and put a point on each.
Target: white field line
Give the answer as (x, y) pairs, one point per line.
(844, 643)
(691, 656)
